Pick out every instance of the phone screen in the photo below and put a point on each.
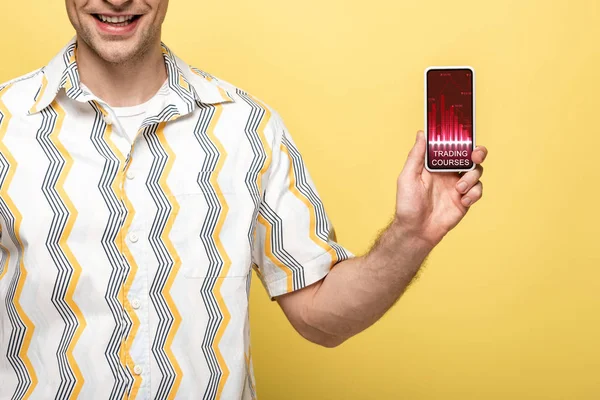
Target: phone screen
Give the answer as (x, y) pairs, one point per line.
(449, 119)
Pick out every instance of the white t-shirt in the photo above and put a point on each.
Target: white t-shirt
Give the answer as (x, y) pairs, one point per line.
(131, 118)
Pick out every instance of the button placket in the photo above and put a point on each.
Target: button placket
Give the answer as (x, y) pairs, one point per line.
(112, 120)
(132, 297)
(136, 304)
(133, 237)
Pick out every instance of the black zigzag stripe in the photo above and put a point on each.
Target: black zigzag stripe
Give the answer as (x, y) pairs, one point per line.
(255, 118)
(167, 114)
(279, 250)
(71, 71)
(215, 261)
(165, 261)
(174, 74)
(65, 269)
(120, 268)
(322, 224)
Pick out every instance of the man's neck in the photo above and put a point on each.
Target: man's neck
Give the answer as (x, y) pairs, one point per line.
(122, 85)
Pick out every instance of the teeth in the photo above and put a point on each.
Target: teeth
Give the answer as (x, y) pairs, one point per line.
(115, 20)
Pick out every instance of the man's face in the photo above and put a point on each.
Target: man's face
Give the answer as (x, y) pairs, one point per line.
(118, 30)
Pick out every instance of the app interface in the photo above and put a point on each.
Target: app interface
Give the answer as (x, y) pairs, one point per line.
(449, 118)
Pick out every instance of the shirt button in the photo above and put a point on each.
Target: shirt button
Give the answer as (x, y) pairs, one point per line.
(108, 119)
(133, 237)
(137, 370)
(130, 175)
(135, 303)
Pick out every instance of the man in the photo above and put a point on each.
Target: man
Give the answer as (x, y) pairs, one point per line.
(135, 194)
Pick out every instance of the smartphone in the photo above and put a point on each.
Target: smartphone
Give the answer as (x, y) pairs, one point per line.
(449, 118)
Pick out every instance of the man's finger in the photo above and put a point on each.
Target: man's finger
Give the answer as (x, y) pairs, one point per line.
(469, 179)
(479, 154)
(416, 156)
(472, 195)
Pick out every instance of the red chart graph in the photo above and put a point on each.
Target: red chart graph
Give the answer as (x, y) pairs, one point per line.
(450, 118)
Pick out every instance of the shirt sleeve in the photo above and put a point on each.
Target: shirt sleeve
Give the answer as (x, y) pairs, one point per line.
(295, 243)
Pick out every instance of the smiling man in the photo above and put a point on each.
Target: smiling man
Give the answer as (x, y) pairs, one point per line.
(137, 194)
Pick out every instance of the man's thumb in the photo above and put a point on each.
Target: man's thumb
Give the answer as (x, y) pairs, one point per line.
(416, 156)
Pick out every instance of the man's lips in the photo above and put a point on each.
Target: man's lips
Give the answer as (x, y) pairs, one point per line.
(115, 24)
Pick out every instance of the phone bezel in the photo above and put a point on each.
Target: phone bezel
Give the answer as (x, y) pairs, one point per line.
(446, 67)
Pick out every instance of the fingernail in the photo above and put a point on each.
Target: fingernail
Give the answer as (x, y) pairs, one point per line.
(418, 134)
(462, 186)
(466, 201)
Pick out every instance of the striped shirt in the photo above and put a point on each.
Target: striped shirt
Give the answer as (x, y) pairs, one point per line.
(126, 264)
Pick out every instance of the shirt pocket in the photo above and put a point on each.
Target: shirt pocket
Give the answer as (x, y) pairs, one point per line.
(212, 232)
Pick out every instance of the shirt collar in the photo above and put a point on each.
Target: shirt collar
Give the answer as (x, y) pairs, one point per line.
(188, 85)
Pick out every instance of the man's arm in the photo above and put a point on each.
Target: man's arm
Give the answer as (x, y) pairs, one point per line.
(358, 291)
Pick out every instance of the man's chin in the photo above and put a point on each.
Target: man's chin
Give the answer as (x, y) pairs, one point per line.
(115, 52)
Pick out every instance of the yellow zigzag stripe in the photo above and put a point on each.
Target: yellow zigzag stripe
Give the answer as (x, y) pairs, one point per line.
(66, 249)
(176, 260)
(216, 237)
(18, 218)
(40, 95)
(224, 94)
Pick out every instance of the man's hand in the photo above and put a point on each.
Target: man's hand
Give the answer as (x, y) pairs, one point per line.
(358, 291)
(429, 205)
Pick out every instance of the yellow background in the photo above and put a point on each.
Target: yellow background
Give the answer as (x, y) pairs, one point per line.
(508, 305)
